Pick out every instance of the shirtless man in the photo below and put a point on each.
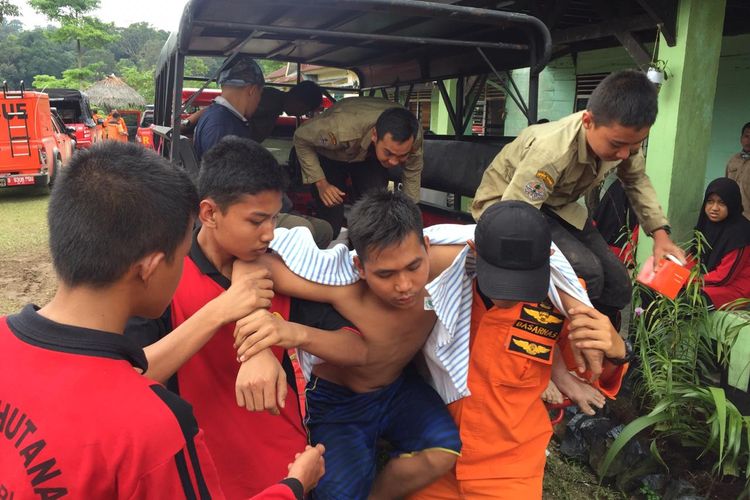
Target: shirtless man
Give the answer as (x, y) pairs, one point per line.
(373, 394)
(389, 307)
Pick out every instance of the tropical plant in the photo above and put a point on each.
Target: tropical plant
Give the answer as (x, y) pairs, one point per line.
(682, 349)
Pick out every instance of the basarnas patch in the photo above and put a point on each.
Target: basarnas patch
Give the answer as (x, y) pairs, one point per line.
(529, 349)
(540, 320)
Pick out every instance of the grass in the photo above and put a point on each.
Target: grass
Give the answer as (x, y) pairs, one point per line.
(566, 479)
(24, 222)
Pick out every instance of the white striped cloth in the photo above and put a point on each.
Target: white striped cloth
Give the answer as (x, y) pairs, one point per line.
(447, 348)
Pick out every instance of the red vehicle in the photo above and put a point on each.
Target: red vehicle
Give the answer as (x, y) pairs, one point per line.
(145, 134)
(34, 143)
(285, 125)
(132, 119)
(75, 111)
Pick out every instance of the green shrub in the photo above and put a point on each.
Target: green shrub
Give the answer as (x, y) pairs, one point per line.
(683, 350)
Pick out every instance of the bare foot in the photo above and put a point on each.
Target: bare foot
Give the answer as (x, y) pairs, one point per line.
(552, 394)
(582, 394)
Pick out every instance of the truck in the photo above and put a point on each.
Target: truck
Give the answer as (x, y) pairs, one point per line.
(34, 144)
(74, 109)
(393, 46)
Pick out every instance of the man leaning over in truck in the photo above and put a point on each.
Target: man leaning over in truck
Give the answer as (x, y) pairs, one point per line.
(358, 138)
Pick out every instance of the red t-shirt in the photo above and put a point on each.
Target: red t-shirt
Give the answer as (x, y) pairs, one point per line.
(77, 421)
(251, 449)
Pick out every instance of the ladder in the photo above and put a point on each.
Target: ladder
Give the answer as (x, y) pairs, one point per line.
(17, 134)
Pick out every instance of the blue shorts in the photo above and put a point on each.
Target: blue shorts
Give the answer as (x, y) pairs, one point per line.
(408, 414)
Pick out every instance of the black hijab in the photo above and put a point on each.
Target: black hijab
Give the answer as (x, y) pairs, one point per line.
(729, 234)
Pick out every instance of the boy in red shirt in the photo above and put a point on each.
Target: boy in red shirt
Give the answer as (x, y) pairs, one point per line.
(76, 418)
(240, 188)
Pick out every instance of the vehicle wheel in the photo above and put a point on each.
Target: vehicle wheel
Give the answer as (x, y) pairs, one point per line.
(55, 169)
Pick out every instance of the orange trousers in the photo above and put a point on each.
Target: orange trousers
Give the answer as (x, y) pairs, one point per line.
(506, 488)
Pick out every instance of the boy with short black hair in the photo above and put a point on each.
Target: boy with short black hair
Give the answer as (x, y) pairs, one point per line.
(78, 420)
(369, 392)
(550, 166)
(240, 187)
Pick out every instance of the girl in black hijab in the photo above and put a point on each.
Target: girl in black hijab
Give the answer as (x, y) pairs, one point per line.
(727, 232)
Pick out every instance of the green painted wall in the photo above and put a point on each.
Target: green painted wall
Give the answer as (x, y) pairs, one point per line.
(605, 60)
(440, 122)
(557, 87)
(679, 140)
(732, 104)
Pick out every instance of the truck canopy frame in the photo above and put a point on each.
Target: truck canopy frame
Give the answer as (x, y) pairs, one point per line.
(386, 43)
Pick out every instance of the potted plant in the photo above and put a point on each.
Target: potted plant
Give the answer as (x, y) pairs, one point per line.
(657, 71)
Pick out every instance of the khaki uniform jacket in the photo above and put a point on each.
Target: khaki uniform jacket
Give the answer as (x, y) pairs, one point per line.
(343, 132)
(550, 164)
(738, 168)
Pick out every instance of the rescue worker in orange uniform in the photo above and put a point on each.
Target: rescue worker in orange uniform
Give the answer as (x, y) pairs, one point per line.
(503, 424)
(115, 128)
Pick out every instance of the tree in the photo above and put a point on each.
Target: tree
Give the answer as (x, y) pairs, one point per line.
(71, 79)
(8, 9)
(141, 80)
(75, 25)
(26, 54)
(134, 39)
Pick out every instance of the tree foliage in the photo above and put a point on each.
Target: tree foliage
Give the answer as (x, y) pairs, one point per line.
(26, 54)
(75, 25)
(8, 9)
(73, 78)
(50, 57)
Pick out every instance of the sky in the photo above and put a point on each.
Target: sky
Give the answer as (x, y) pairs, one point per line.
(162, 14)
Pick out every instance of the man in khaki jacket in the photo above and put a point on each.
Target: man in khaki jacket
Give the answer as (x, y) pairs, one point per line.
(738, 168)
(358, 138)
(551, 166)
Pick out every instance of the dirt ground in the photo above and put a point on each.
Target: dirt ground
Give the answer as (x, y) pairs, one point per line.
(26, 276)
(26, 273)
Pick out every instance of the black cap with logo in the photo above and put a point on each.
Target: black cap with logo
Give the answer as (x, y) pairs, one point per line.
(512, 241)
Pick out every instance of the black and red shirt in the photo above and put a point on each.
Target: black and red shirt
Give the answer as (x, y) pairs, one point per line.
(77, 421)
(250, 449)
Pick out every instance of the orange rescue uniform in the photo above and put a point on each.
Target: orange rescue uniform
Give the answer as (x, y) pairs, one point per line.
(116, 130)
(504, 424)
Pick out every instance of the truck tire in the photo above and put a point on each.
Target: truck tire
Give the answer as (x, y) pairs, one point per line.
(57, 166)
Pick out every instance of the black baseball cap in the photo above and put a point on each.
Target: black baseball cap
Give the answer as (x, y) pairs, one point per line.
(512, 241)
(242, 70)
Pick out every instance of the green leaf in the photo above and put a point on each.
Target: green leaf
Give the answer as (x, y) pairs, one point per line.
(628, 433)
(721, 417)
(655, 453)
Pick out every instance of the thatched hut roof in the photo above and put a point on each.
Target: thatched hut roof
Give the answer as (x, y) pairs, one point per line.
(112, 93)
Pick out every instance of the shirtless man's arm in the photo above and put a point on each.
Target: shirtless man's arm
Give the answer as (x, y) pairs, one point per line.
(256, 383)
